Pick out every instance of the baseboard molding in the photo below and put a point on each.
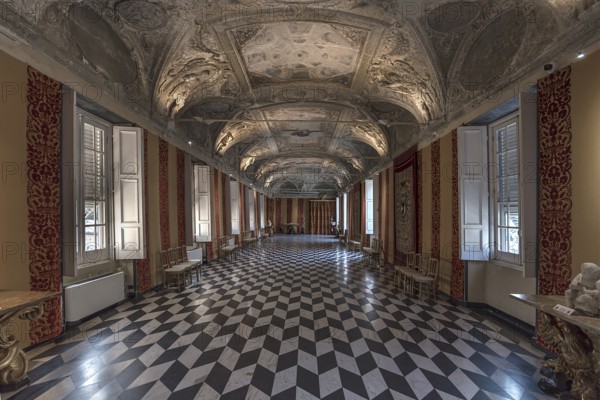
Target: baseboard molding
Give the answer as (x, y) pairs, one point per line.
(521, 326)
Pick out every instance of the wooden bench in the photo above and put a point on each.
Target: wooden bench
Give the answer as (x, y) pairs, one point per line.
(226, 249)
(177, 269)
(420, 276)
(179, 256)
(355, 242)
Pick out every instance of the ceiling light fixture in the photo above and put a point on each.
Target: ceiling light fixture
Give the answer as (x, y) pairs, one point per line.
(580, 54)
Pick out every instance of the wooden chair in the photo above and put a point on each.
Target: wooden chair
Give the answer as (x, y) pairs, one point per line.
(402, 272)
(344, 238)
(176, 261)
(262, 234)
(190, 265)
(173, 275)
(227, 249)
(356, 242)
(427, 283)
(373, 252)
(248, 238)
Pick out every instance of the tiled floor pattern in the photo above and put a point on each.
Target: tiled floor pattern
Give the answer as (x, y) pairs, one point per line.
(297, 317)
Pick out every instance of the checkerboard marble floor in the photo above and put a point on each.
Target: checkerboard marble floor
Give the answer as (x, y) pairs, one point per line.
(296, 317)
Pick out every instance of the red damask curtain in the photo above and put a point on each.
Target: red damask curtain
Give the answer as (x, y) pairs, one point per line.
(321, 213)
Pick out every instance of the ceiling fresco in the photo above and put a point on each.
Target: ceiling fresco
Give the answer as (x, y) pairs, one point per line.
(299, 97)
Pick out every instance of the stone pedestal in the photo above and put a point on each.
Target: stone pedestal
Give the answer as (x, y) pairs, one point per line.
(13, 361)
(576, 338)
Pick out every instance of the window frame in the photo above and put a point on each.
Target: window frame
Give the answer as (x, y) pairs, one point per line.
(369, 207)
(90, 258)
(345, 209)
(514, 260)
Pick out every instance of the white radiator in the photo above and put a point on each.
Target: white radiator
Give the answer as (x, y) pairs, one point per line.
(195, 254)
(86, 298)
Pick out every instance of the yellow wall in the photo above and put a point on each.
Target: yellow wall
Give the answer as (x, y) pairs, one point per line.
(153, 211)
(14, 236)
(585, 117)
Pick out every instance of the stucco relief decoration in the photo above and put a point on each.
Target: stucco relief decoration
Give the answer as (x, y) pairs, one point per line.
(372, 135)
(186, 78)
(405, 209)
(447, 26)
(43, 198)
(402, 71)
(232, 134)
(142, 14)
(481, 68)
(298, 51)
(555, 203)
(87, 32)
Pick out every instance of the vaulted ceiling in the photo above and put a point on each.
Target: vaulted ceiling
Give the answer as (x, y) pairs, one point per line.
(299, 97)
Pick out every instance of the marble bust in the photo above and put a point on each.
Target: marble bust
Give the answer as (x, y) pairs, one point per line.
(584, 290)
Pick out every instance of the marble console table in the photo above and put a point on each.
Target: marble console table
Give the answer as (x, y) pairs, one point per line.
(576, 337)
(13, 361)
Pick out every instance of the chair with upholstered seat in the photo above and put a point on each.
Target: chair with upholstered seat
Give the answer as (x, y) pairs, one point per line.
(355, 242)
(374, 251)
(227, 249)
(426, 283)
(344, 238)
(174, 276)
(248, 239)
(402, 272)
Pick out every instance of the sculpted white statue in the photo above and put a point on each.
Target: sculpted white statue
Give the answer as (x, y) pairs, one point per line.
(584, 291)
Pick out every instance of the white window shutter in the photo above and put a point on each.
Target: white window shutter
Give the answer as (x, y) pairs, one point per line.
(529, 182)
(473, 193)
(128, 170)
(70, 202)
(369, 206)
(261, 202)
(234, 193)
(251, 216)
(202, 203)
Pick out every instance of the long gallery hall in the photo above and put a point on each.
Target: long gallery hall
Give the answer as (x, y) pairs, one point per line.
(300, 199)
(298, 316)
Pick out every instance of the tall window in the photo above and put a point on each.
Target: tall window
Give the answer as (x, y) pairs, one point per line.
(102, 187)
(234, 195)
(369, 219)
(94, 231)
(262, 210)
(506, 193)
(250, 201)
(345, 210)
